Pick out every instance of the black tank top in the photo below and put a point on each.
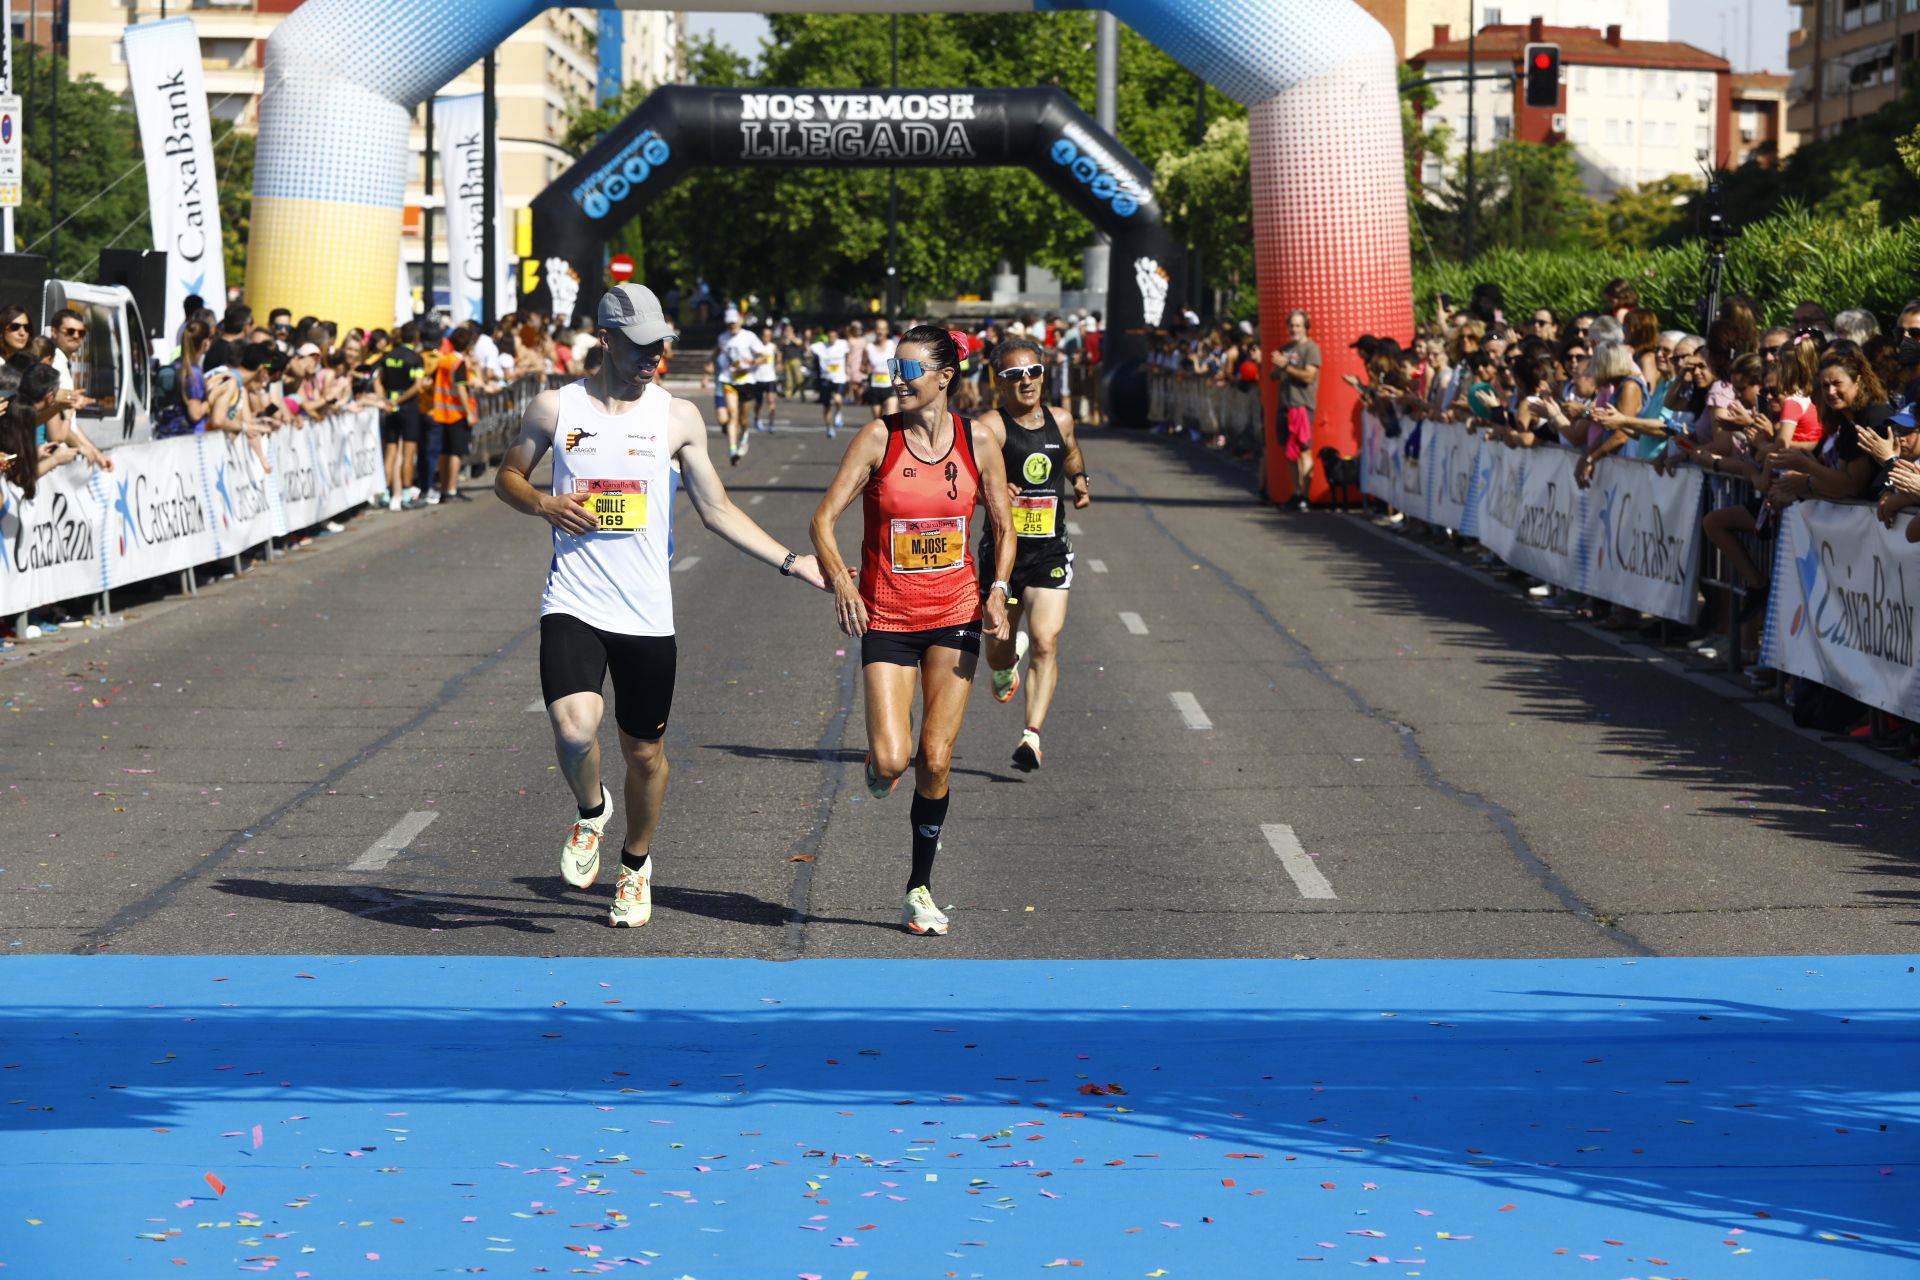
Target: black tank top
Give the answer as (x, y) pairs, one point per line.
(1036, 461)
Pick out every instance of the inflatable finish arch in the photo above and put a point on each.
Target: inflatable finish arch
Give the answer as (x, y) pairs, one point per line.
(1317, 77)
(679, 128)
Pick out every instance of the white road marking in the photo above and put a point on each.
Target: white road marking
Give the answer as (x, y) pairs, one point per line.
(1073, 529)
(1190, 711)
(756, 499)
(394, 843)
(1098, 566)
(538, 704)
(683, 563)
(1306, 876)
(1134, 623)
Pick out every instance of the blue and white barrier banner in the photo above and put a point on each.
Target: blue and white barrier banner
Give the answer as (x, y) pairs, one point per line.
(1841, 611)
(1532, 514)
(1447, 455)
(1640, 543)
(324, 468)
(173, 504)
(164, 61)
(53, 543)
(1379, 461)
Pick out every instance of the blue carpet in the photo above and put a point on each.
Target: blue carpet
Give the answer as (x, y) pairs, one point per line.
(403, 1117)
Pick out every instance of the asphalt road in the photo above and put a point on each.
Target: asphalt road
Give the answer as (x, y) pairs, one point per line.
(342, 752)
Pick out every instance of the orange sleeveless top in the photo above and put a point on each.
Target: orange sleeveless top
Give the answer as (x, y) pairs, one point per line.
(916, 563)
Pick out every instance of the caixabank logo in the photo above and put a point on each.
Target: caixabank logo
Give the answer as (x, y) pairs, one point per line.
(1873, 617)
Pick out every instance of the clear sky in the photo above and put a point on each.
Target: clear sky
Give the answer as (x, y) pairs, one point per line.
(1752, 34)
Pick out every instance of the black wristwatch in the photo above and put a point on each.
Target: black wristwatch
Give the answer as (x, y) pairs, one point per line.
(786, 566)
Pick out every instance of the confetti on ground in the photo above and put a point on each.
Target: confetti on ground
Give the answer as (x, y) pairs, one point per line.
(675, 1130)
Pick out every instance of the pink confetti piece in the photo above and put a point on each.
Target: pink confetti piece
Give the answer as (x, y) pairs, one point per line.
(1425, 1213)
(1378, 1257)
(259, 1137)
(373, 1257)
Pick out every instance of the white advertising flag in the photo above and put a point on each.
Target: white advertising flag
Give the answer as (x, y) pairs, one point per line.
(163, 64)
(458, 123)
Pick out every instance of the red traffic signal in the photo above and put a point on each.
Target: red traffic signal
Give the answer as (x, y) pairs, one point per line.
(1543, 76)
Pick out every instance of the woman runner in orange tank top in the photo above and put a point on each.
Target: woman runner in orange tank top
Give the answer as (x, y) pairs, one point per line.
(916, 606)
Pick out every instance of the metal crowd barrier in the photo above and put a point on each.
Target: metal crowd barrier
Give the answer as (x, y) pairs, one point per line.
(500, 414)
(1214, 409)
(1715, 571)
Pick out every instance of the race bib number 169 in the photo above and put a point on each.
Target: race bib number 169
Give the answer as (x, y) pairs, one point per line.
(620, 506)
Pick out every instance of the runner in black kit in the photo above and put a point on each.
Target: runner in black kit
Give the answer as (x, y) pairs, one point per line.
(1044, 472)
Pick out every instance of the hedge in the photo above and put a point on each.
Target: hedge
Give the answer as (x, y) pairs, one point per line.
(1782, 261)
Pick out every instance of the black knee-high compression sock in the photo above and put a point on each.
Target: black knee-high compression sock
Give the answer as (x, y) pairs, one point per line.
(928, 817)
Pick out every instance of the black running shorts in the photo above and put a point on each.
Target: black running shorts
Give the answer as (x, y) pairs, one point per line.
(402, 426)
(576, 658)
(458, 439)
(878, 395)
(909, 648)
(1049, 566)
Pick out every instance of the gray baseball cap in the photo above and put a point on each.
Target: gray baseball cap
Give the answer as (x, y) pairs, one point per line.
(634, 311)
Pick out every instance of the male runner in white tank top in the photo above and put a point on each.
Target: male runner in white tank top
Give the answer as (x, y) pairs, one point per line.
(618, 440)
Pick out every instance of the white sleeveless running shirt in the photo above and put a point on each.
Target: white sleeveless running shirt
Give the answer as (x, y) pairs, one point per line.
(615, 579)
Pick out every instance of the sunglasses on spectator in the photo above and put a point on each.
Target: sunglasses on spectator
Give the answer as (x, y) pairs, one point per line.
(66, 332)
(19, 326)
(908, 370)
(1543, 319)
(1772, 350)
(1577, 355)
(1911, 333)
(1014, 372)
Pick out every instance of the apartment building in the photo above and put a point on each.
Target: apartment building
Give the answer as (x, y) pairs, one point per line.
(543, 73)
(1635, 110)
(1845, 61)
(1411, 22)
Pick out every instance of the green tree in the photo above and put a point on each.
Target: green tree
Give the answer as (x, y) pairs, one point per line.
(787, 232)
(1643, 216)
(103, 190)
(233, 161)
(1526, 194)
(1206, 193)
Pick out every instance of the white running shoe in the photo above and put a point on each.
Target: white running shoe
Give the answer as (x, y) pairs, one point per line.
(1007, 683)
(744, 442)
(580, 858)
(921, 916)
(632, 897)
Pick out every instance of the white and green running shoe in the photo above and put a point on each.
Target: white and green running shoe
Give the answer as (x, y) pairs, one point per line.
(920, 915)
(876, 787)
(580, 859)
(1026, 756)
(1007, 683)
(632, 897)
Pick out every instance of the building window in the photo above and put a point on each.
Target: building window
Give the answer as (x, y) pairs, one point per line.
(1673, 133)
(1611, 133)
(1582, 132)
(1491, 16)
(1502, 128)
(1616, 83)
(1702, 137)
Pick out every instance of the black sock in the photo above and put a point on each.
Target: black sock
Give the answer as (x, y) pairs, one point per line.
(598, 809)
(928, 817)
(634, 861)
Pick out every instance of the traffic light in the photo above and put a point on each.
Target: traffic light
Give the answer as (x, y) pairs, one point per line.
(1543, 75)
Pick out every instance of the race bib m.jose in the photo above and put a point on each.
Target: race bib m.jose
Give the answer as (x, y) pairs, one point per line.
(929, 546)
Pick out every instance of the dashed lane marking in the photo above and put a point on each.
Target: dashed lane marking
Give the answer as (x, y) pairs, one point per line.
(756, 499)
(1098, 566)
(394, 843)
(1073, 529)
(683, 563)
(1191, 711)
(538, 704)
(1306, 876)
(1134, 624)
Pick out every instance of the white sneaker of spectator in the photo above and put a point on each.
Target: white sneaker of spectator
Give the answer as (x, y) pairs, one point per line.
(433, 497)
(334, 526)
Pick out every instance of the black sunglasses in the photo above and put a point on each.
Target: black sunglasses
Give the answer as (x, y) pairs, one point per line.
(65, 332)
(19, 326)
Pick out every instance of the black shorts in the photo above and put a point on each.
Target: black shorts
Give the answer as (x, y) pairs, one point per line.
(832, 391)
(400, 426)
(749, 392)
(575, 658)
(458, 439)
(909, 648)
(1049, 564)
(878, 395)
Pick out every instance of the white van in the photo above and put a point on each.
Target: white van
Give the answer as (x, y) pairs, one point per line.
(115, 367)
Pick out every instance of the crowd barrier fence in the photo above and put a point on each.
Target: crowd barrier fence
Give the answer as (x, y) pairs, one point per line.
(1211, 407)
(171, 505)
(1839, 611)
